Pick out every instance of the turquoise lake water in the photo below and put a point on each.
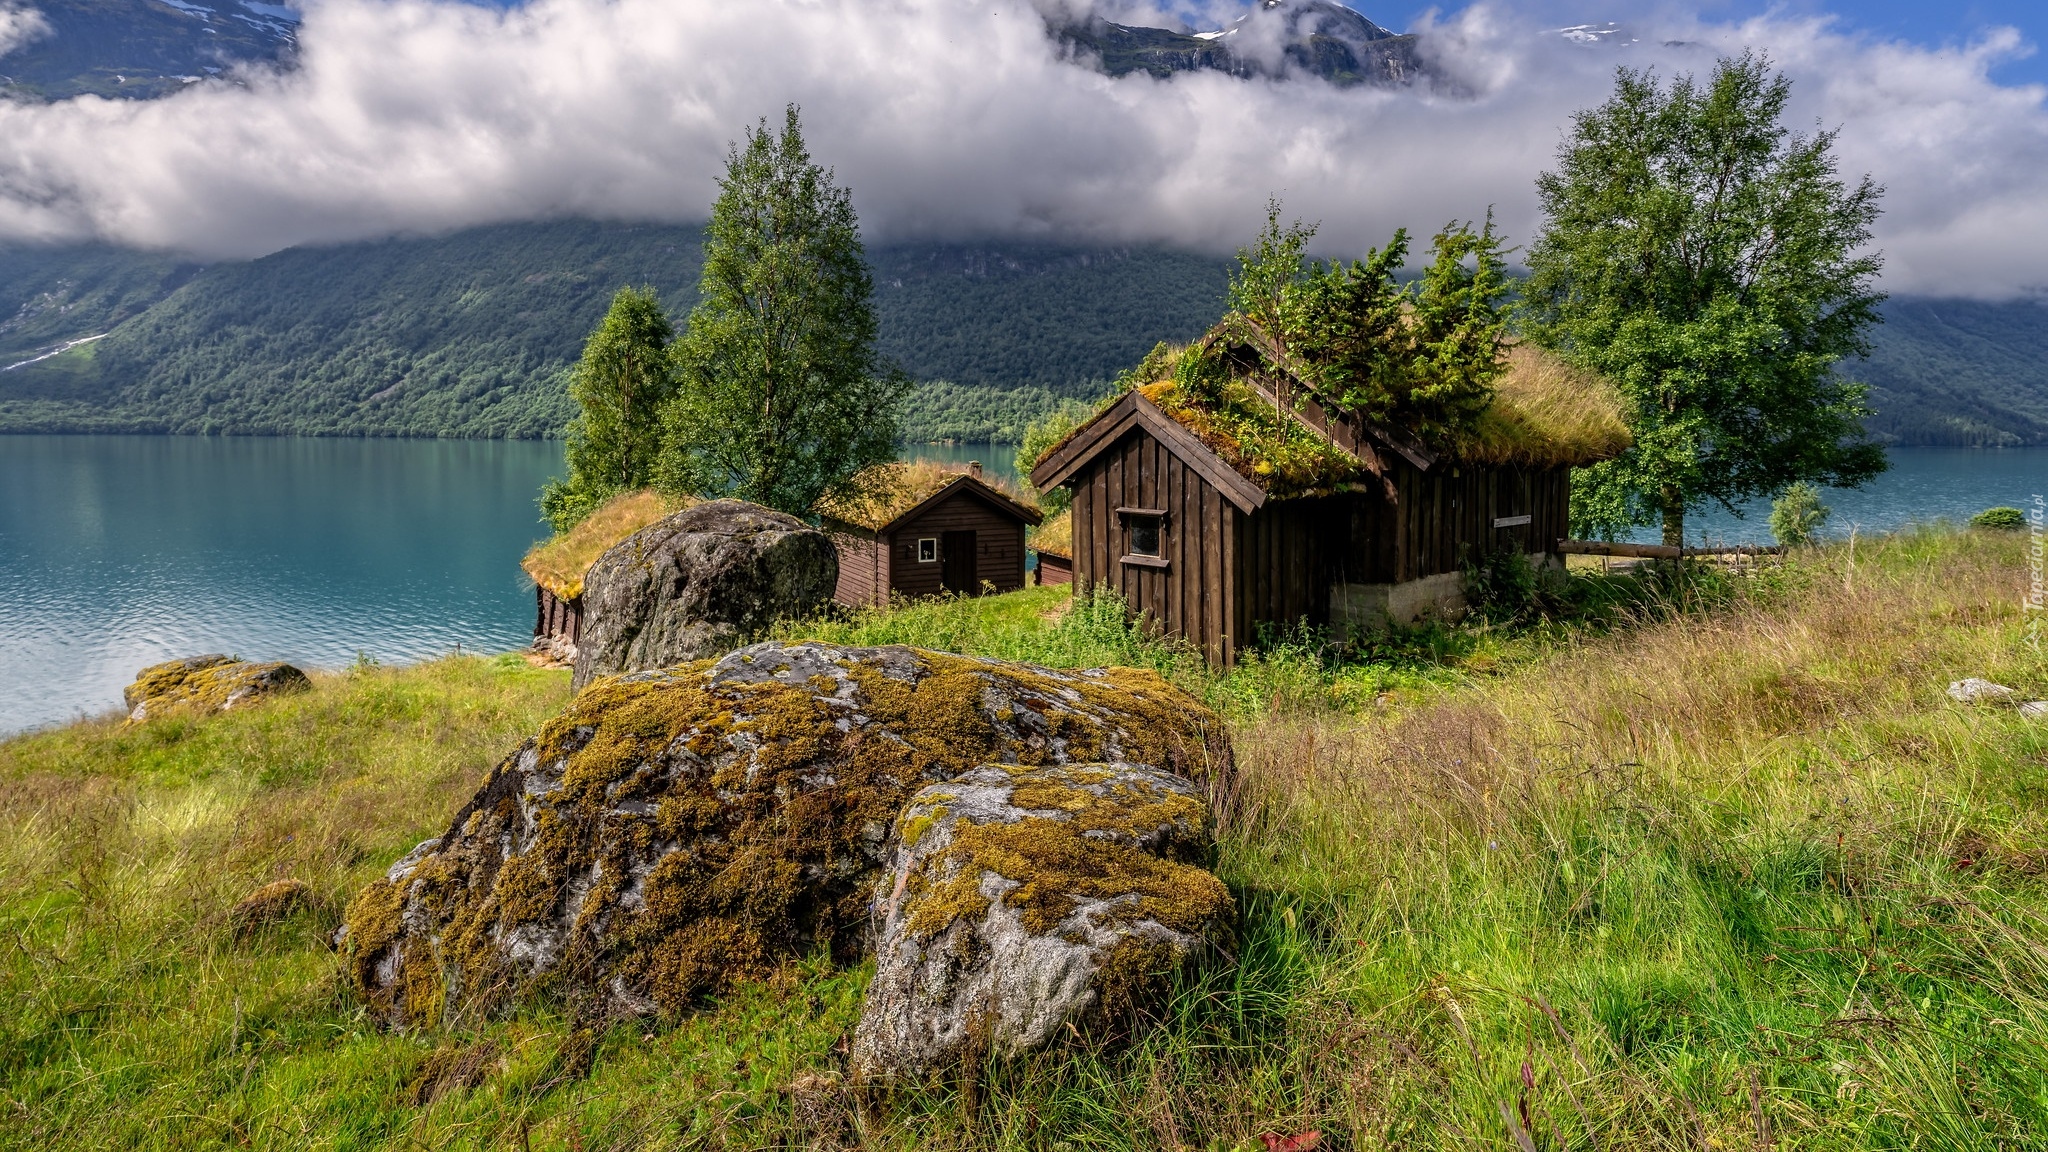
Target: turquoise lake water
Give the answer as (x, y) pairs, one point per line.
(120, 551)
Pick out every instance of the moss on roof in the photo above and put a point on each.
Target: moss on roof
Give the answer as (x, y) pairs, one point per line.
(1054, 537)
(882, 492)
(558, 564)
(1544, 413)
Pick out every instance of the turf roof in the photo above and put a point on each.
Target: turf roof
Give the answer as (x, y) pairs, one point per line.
(559, 564)
(882, 493)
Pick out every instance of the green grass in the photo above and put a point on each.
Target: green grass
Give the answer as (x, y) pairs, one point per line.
(1701, 865)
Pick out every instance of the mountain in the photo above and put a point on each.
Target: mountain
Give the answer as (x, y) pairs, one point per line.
(1274, 38)
(141, 49)
(468, 335)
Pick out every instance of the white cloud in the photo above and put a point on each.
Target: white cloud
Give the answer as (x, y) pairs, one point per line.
(952, 119)
(20, 25)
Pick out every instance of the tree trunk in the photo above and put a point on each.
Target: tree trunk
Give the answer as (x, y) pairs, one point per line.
(1674, 518)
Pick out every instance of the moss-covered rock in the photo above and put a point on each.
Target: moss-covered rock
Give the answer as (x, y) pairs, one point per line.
(675, 832)
(1022, 900)
(207, 684)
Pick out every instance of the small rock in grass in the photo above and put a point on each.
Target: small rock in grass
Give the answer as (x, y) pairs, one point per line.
(1024, 900)
(268, 905)
(2035, 709)
(212, 683)
(1975, 691)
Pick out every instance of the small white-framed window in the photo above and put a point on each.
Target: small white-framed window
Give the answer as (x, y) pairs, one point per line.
(928, 550)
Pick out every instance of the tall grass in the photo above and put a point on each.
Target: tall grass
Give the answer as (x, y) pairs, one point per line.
(1726, 870)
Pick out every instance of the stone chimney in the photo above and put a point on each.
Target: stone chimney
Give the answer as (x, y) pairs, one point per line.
(974, 469)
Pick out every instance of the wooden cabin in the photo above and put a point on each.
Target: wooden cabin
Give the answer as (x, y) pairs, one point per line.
(1215, 524)
(1052, 543)
(918, 530)
(557, 566)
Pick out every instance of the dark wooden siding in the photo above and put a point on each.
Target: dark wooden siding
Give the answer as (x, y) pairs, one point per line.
(862, 582)
(1228, 573)
(1054, 569)
(1445, 518)
(1187, 594)
(555, 616)
(999, 545)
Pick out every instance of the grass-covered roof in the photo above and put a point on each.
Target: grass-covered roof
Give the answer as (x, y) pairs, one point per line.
(1542, 412)
(879, 495)
(1054, 537)
(559, 564)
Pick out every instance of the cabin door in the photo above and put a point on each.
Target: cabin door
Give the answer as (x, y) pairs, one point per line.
(957, 550)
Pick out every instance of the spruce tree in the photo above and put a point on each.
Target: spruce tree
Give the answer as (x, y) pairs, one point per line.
(621, 386)
(783, 397)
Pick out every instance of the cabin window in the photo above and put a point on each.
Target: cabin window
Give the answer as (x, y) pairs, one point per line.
(1144, 535)
(928, 550)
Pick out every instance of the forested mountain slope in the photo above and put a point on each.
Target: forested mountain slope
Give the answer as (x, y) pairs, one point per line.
(468, 335)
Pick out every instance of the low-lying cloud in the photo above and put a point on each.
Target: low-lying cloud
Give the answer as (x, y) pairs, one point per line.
(952, 120)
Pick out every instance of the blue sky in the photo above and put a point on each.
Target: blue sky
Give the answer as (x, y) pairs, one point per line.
(1927, 24)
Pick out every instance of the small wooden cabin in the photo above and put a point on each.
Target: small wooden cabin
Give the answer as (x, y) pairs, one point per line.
(1053, 543)
(920, 530)
(1215, 524)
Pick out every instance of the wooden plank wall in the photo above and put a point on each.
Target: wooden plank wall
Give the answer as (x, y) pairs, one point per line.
(1189, 596)
(999, 544)
(1441, 520)
(557, 617)
(861, 582)
(1053, 570)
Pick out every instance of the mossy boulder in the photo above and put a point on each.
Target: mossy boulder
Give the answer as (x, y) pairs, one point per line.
(676, 832)
(1022, 901)
(697, 584)
(207, 684)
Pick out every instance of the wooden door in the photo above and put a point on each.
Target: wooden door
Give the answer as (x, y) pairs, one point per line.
(957, 555)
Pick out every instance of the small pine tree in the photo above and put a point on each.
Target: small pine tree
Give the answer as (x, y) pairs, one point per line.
(620, 385)
(1798, 515)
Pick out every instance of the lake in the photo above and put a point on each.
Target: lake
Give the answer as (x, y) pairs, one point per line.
(121, 551)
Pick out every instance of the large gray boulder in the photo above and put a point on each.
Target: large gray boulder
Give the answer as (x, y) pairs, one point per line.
(1024, 900)
(699, 583)
(676, 832)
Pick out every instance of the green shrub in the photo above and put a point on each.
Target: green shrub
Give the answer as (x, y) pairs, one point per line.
(1798, 514)
(2000, 519)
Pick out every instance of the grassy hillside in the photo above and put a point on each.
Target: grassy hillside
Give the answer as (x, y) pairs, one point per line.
(1712, 866)
(468, 335)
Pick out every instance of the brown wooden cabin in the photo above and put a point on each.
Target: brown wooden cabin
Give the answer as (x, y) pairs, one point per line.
(924, 531)
(1212, 554)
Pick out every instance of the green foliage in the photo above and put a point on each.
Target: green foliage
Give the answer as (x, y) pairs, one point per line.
(1706, 260)
(1039, 439)
(1422, 357)
(620, 387)
(1798, 514)
(2001, 519)
(783, 397)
